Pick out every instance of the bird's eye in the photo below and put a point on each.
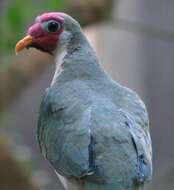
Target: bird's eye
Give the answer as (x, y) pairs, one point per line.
(52, 26)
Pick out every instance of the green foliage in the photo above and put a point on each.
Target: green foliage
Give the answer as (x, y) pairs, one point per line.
(17, 17)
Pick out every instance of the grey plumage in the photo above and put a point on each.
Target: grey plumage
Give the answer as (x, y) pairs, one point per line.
(93, 131)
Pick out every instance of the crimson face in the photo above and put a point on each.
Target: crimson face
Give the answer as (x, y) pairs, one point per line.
(44, 34)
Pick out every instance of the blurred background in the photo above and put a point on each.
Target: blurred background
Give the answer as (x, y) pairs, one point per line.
(135, 42)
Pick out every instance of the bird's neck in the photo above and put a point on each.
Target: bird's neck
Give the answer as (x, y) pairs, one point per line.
(77, 60)
(59, 61)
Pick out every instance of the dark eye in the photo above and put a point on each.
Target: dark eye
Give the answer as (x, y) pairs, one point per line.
(53, 26)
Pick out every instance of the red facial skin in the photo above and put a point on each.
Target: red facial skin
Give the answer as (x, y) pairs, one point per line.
(43, 40)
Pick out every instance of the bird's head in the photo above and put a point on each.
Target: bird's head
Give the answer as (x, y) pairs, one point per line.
(49, 32)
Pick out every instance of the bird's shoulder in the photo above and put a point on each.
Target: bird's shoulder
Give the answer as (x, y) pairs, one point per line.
(64, 95)
(129, 101)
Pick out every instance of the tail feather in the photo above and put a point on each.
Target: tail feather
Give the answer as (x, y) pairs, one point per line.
(92, 186)
(74, 184)
(71, 184)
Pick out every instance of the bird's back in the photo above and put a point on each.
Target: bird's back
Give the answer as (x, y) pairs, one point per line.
(97, 137)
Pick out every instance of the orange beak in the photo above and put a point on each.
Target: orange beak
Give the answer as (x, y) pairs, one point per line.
(26, 41)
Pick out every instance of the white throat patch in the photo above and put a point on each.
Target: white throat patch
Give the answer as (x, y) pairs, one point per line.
(59, 60)
(60, 53)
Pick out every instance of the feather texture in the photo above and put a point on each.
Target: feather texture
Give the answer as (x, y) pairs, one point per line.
(93, 131)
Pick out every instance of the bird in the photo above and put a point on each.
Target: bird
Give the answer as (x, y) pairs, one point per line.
(93, 131)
